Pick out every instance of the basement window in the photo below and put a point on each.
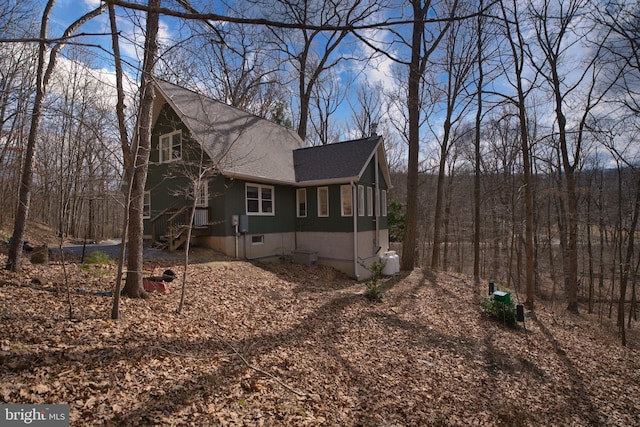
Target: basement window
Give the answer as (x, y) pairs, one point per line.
(257, 240)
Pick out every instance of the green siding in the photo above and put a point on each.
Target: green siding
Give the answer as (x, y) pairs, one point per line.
(168, 182)
(232, 202)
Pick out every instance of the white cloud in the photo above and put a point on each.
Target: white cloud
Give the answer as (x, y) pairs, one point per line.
(92, 4)
(380, 68)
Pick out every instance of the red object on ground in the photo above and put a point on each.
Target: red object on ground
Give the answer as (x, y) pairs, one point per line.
(154, 286)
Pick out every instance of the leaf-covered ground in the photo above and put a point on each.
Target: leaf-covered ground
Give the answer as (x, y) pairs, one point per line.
(290, 345)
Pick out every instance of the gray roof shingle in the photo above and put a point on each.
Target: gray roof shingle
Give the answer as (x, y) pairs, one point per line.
(242, 145)
(332, 162)
(249, 147)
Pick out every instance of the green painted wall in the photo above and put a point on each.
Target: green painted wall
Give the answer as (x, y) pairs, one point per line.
(336, 222)
(168, 182)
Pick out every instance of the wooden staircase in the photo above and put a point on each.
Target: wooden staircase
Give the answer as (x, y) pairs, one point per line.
(170, 226)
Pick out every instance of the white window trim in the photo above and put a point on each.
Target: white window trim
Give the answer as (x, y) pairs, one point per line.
(146, 213)
(344, 201)
(369, 201)
(326, 191)
(202, 200)
(203, 197)
(260, 188)
(257, 239)
(169, 137)
(300, 191)
(360, 200)
(384, 202)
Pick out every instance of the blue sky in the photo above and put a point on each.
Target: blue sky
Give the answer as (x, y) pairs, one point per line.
(66, 11)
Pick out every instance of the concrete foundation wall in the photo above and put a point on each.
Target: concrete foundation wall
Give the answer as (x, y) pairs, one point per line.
(333, 249)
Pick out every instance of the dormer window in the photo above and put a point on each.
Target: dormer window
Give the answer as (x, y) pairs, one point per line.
(171, 147)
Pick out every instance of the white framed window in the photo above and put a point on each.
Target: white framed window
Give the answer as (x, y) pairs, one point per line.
(203, 195)
(202, 199)
(323, 201)
(383, 200)
(171, 147)
(202, 202)
(260, 199)
(360, 200)
(369, 201)
(146, 205)
(301, 202)
(257, 240)
(346, 200)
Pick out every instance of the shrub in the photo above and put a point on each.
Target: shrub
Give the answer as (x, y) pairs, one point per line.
(94, 261)
(504, 312)
(98, 257)
(374, 287)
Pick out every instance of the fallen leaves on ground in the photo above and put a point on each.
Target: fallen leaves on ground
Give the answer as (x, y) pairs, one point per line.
(285, 344)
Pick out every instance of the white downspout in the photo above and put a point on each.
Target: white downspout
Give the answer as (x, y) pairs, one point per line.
(378, 206)
(354, 208)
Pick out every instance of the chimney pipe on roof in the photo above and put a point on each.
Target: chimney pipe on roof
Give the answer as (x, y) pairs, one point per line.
(374, 129)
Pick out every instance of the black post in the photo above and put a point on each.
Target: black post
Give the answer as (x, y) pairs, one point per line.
(520, 313)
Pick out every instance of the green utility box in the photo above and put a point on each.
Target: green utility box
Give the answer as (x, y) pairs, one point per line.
(503, 297)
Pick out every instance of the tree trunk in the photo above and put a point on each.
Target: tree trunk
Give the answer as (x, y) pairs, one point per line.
(133, 286)
(590, 254)
(626, 266)
(478, 159)
(126, 153)
(14, 259)
(437, 219)
(517, 50)
(413, 104)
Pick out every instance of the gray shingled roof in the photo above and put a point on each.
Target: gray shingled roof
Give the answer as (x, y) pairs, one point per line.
(243, 145)
(342, 161)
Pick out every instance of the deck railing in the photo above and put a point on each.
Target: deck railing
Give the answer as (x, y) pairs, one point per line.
(171, 224)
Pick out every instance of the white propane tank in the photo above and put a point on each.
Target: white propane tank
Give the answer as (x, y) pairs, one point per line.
(391, 263)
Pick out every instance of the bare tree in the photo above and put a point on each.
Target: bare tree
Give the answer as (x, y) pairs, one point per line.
(514, 35)
(328, 94)
(128, 164)
(559, 28)
(458, 60)
(231, 63)
(43, 75)
(17, 76)
(140, 151)
(367, 108)
(480, 42)
(313, 52)
(424, 41)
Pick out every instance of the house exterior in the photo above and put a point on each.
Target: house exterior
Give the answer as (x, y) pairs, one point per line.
(263, 193)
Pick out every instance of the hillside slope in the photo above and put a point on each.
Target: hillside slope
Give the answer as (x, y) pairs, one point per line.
(290, 345)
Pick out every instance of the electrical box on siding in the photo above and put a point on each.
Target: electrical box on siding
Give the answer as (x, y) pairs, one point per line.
(244, 223)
